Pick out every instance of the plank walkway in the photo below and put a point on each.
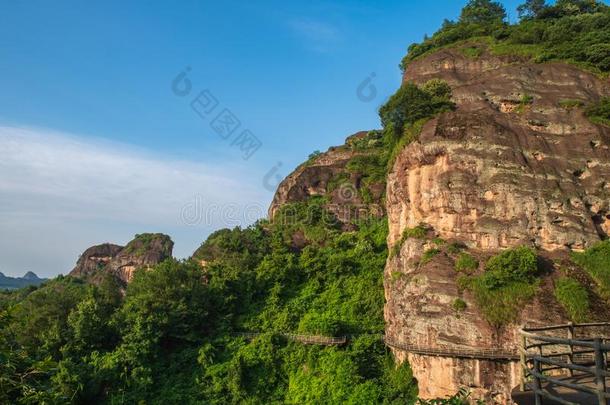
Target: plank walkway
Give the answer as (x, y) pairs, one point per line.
(583, 385)
(565, 394)
(566, 370)
(305, 339)
(482, 354)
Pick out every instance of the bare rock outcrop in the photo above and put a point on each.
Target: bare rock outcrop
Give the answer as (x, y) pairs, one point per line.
(328, 175)
(143, 251)
(494, 176)
(95, 259)
(510, 166)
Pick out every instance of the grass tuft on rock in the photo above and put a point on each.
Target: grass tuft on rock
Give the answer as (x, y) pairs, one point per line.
(508, 283)
(573, 297)
(596, 262)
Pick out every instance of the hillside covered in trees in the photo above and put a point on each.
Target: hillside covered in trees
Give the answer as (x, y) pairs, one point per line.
(174, 332)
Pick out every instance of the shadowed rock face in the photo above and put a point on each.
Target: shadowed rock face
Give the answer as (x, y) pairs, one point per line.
(145, 250)
(95, 259)
(316, 178)
(510, 166)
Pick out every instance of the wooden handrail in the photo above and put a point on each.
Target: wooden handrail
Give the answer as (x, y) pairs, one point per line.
(566, 326)
(483, 354)
(596, 346)
(307, 339)
(566, 342)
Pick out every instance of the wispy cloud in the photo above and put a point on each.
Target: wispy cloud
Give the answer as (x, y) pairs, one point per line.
(319, 36)
(56, 186)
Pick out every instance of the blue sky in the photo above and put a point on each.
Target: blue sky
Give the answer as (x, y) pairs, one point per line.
(95, 146)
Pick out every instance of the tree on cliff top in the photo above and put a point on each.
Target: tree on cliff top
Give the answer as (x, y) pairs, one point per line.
(531, 9)
(483, 12)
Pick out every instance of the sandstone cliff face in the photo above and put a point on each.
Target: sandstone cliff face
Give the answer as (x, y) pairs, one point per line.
(495, 177)
(510, 166)
(328, 175)
(145, 250)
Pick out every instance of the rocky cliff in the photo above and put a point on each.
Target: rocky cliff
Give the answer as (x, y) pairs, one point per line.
(516, 163)
(338, 176)
(143, 251)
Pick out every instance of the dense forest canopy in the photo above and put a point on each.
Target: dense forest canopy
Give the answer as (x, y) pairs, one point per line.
(174, 334)
(576, 31)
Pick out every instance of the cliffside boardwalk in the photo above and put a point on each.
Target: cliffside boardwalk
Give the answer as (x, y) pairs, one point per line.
(567, 370)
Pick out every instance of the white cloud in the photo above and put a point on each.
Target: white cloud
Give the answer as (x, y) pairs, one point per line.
(60, 194)
(319, 36)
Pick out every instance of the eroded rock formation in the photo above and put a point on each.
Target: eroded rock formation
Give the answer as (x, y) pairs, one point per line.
(510, 166)
(144, 250)
(328, 175)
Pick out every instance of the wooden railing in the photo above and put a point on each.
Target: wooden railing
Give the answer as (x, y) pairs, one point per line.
(547, 358)
(305, 339)
(457, 352)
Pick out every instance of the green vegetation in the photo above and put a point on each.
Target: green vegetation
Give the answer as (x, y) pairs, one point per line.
(419, 232)
(370, 141)
(438, 241)
(429, 255)
(576, 31)
(455, 248)
(172, 337)
(466, 263)
(511, 266)
(599, 113)
(472, 51)
(525, 101)
(508, 283)
(410, 134)
(596, 261)
(461, 398)
(142, 243)
(412, 103)
(574, 298)
(501, 305)
(371, 166)
(459, 305)
(569, 104)
(403, 117)
(406, 112)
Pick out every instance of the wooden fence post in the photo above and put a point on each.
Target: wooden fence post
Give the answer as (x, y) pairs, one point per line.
(600, 367)
(537, 385)
(571, 355)
(523, 362)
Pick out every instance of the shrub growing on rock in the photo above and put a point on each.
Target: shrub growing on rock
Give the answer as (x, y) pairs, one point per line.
(513, 265)
(599, 113)
(466, 263)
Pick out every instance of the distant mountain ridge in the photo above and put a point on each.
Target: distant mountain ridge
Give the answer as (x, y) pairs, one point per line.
(28, 279)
